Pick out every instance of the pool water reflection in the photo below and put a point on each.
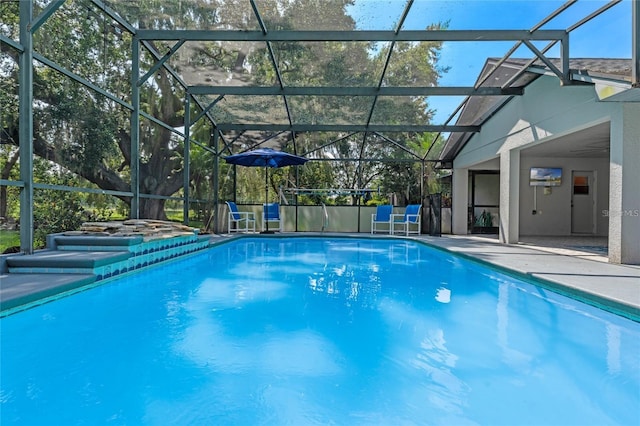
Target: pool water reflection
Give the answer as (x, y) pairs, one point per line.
(319, 331)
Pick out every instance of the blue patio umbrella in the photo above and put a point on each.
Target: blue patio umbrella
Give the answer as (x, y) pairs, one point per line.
(265, 157)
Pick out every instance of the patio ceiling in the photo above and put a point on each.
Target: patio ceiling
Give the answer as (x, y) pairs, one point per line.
(592, 142)
(210, 57)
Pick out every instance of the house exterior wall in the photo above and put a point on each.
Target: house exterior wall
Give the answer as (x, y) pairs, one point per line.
(624, 183)
(553, 211)
(545, 112)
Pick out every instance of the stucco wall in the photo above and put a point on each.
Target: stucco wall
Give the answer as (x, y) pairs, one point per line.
(553, 215)
(546, 111)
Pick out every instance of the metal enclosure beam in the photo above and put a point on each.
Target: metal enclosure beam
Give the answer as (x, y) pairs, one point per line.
(518, 44)
(272, 57)
(10, 42)
(115, 16)
(216, 182)
(75, 77)
(160, 62)
(407, 35)
(565, 42)
(186, 159)
(405, 12)
(356, 91)
(134, 161)
(562, 75)
(206, 110)
(25, 96)
(175, 75)
(46, 13)
(398, 145)
(400, 128)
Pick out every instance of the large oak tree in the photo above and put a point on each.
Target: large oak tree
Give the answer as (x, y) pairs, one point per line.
(88, 134)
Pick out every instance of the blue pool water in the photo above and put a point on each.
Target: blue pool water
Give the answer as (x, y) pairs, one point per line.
(319, 331)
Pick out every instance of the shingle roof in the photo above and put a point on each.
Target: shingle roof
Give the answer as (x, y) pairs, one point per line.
(601, 67)
(479, 109)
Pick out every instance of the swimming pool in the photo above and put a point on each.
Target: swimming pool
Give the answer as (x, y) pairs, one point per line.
(318, 331)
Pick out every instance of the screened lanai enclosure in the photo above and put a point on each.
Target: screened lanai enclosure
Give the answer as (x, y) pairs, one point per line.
(126, 109)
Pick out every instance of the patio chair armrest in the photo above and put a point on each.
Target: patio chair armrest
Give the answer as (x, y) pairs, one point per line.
(246, 216)
(395, 216)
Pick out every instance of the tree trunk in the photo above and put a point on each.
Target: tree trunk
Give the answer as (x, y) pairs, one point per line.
(6, 171)
(3, 201)
(152, 208)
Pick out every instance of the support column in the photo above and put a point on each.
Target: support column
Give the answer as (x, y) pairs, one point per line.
(624, 175)
(635, 43)
(134, 162)
(459, 201)
(216, 181)
(25, 95)
(509, 197)
(186, 159)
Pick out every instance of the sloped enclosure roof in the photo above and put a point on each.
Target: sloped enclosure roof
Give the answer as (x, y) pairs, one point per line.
(265, 71)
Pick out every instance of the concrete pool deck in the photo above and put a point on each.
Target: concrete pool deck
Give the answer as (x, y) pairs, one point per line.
(576, 273)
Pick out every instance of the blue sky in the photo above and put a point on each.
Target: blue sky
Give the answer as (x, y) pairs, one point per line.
(606, 36)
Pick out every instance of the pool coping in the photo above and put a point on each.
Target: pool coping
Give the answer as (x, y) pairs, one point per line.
(611, 287)
(27, 281)
(577, 285)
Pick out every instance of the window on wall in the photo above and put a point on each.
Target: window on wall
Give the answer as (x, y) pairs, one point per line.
(581, 185)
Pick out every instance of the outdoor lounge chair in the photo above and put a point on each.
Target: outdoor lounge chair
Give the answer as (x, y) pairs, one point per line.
(382, 215)
(271, 214)
(409, 220)
(240, 221)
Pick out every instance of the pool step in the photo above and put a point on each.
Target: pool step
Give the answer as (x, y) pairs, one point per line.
(71, 257)
(75, 262)
(22, 289)
(93, 243)
(135, 245)
(66, 262)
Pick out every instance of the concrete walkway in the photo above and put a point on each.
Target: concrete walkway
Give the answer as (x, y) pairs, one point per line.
(586, 276)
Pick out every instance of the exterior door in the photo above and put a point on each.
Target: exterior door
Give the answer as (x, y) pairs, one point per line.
(582, 202)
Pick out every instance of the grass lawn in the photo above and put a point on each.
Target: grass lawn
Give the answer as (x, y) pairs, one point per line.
(9, 239)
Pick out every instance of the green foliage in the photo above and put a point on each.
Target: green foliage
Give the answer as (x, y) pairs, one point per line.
(58, 211)
(484, 219)
(87, 134)
(55, 211)
(9, 239)
(90, 133)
